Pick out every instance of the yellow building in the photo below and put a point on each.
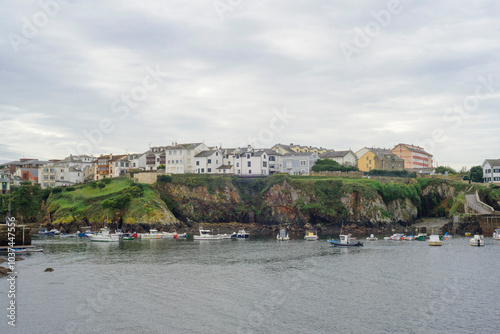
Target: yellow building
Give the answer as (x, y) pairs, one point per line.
(379, 158)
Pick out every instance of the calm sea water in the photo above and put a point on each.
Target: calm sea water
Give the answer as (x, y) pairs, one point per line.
(256, 286)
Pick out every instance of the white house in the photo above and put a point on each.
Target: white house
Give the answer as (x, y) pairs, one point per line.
(491, 171)
(251, 162)
(208, 162)
(66, 172)
(346, 158)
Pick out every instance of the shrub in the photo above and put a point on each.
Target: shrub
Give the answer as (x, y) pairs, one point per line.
(164, 178)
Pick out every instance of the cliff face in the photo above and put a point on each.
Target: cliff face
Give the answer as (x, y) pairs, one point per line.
(185, 200)
(307, 201)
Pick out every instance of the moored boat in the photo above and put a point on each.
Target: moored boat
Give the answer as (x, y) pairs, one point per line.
(153, 234)
(242, 234)
(434, 240)
(372, 238)
(477, 240)
(206, 235)
(282, 235)
(496, 234)
(104, 235)
(311, 235)
(345, 241)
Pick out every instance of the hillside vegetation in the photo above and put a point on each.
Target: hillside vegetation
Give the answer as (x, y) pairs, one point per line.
(181, 200)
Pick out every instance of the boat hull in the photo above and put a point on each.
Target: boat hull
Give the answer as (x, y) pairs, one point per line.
(338, 244)
(435, 243)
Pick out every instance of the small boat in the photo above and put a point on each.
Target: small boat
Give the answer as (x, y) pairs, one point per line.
(69, 235)
(468, 234)
(477, 241)
(55, 231)
(408, 237)
(206, 235)
(45, 232)
(311, 235)
(104, 235)
(434, 240)
(446, 236)
(496, 234)
(153, 234)
(421, 237)
(181, 236)
(34, 250)
(395, 236)
(345, 241)
(282, 235)
(168, 235)
(18, 250)
(372, 238)
(242, 234)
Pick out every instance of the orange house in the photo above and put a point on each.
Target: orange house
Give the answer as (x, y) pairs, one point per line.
(414, 156)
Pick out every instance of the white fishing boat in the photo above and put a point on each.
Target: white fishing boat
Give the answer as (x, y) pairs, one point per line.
(496, 234)
(477, 241)
(282, 235)
(206, 235)
(434, 240)
(372, 238)
(242, 234)
(104, 235)
(311, 235)
(153, 234)
(447, 236)
(345, 241)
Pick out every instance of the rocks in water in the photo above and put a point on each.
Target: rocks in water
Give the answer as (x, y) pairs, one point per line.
(18, 258)
(2, 260)
(49, 270)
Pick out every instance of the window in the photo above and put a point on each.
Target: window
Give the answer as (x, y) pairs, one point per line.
(496, 178)
(176, 161)
(209, 170)
(249, 164)
(237, 164)
(496, 170)
(197, 163)
(170, 152)
(249, 171)
(264, 164)
(302, 162)
(203, 170)
(248, 156)
(272, 158)
(209, 161)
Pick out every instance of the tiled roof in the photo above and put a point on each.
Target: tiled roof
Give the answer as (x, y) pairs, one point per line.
(335, 154)
(204, 154)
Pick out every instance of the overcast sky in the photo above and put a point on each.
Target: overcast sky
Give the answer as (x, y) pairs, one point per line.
(118, 76)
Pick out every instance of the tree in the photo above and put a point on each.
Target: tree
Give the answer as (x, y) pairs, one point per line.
(331, 165)
(476, 174)
(443, 170)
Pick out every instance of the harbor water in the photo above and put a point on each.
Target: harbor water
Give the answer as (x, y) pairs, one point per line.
(255, 286)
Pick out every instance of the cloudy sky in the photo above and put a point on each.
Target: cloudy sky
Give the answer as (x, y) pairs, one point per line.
(118, 76)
